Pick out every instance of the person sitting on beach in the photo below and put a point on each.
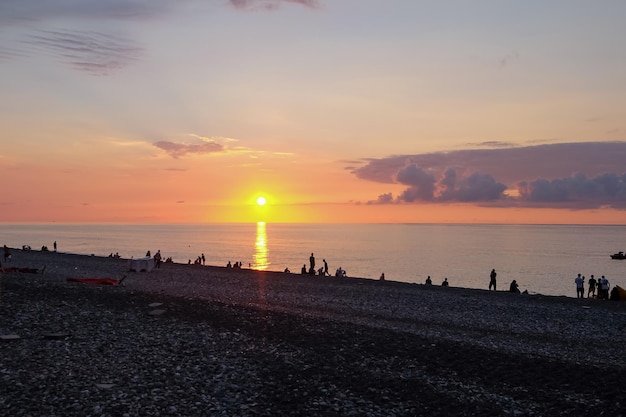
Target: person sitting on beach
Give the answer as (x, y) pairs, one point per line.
(229, 265)
(287, 271)
(445, 282)
(148, 255)
(429, 281)
(591, 292)
(303, 271)
(382, 277)
(514, 287)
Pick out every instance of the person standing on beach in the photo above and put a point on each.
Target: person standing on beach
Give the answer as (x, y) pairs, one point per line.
(580, 286)
(312, 262)
(54, 245)
(591, 292)
(492, 279)
(603, 292)
(326, 273)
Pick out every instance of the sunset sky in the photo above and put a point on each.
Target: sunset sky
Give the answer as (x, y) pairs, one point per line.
(149, 111)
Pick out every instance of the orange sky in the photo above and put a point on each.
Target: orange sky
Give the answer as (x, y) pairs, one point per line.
(351, 111)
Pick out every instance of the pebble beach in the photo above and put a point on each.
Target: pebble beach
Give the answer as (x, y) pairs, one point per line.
(192, 340)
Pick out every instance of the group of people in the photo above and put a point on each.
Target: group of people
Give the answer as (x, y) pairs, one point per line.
(444, 283)
(493, 283)
(322, 270)
(601, 286)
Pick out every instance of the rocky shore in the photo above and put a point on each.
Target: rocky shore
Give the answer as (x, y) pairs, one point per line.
(190, 340)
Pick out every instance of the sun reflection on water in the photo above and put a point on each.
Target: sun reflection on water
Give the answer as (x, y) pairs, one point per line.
(261, 253)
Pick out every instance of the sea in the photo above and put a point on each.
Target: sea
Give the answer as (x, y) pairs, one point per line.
(543, 259)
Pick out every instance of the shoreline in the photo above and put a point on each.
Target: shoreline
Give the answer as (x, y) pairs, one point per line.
(214, 340)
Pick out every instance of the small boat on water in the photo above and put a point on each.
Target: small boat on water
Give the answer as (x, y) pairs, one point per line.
(618, 255)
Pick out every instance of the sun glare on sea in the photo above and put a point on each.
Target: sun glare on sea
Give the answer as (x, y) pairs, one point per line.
(261, 201)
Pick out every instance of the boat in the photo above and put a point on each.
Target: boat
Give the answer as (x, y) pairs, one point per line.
(618, 255)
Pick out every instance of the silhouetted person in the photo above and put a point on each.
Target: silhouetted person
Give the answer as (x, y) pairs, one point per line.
(492, 279)
(514, 287)
(325, 268)
(312, 263)
(580, 286)
(591, 292)
(429, 281)
(303, 269)
(445, 282)
(382, 276)
(54, 245)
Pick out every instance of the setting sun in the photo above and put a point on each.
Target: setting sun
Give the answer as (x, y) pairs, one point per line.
(260, 201)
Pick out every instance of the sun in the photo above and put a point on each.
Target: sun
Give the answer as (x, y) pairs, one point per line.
(261, 201)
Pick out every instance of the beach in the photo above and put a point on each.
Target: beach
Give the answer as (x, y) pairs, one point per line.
(191, 340)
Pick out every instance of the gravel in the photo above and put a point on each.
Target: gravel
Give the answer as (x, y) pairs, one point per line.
(189, 340)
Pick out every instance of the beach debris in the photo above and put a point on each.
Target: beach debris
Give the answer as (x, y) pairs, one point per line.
(9, 337)
(157, 312)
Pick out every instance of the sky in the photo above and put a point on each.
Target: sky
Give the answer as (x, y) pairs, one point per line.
(404, 111)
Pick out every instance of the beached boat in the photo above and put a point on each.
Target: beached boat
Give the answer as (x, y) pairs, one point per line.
(618, 255)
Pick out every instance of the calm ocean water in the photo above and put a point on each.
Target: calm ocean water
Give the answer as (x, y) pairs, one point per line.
(542, 258)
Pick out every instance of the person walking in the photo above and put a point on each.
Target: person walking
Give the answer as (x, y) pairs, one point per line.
(580, 286)
(492, 279)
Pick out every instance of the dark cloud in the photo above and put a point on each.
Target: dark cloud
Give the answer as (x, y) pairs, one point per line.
(508, 165)
(92, 52)
(421, 184)
(383, 199)
(604, 189)
(177, 150)
(424, 186)
(269, 4)
(544, 176)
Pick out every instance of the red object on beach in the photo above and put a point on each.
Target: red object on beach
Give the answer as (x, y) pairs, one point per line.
(96, 281)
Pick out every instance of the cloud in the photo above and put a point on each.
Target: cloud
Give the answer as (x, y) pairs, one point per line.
(92, 52)
(96, 52)
(449, 187)
(19, 11)
(178, 150)
(538, 175)
(509, 165)
(604, 189)
(269, 4)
